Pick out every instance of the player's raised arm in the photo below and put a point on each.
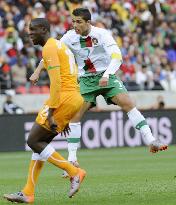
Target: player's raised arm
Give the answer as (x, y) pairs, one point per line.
(35, 76)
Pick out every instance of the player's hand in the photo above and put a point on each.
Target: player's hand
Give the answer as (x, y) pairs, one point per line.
(34, 78)
(66, 131)
(103, 81)
(52, 123)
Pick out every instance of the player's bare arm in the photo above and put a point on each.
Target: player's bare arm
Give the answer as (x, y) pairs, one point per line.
(35, 76)
(52, 122)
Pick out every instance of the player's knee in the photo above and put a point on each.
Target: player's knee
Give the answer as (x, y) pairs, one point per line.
(31, 142)
(76, 118)
(128, 105)
(34, 146)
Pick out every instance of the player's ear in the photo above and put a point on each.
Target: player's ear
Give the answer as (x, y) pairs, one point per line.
(89, 21)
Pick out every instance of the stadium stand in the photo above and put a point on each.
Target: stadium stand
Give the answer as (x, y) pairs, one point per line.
(145, 31)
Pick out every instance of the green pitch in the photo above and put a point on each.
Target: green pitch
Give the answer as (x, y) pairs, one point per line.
(119, 176)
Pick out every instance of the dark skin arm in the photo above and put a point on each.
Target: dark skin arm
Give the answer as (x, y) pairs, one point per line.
(52, 123)
(66, 131)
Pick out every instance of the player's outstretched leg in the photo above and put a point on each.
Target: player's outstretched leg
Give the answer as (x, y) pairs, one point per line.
(140, 123)
(156, 146)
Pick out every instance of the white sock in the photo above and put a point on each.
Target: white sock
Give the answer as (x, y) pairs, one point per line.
(47, 152)
(72, 151)
(36, 156)
(73, 140)
(140, 123)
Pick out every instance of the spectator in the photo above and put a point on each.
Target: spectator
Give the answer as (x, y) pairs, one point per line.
(160, 103)
(128, 69)
(38, 11)
(5, 76)
(9, 107)
(144, 78)
(53, 15)
(19, 72)
(145, 31)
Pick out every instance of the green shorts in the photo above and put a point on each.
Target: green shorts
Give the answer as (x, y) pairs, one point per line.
(90, 89)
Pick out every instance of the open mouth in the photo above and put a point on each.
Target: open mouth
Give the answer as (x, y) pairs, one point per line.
(76, 30)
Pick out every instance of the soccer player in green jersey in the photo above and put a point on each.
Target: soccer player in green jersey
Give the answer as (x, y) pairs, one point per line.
(98, 58)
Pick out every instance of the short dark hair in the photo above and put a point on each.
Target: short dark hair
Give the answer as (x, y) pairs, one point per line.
(42, 22)
(83, 12)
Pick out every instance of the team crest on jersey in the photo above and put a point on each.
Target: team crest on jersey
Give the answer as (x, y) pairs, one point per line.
(95, 41)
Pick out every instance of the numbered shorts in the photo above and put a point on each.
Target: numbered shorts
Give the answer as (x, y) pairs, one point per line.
(70, 104)
(90, 88)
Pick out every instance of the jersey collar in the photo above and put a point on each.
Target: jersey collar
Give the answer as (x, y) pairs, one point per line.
(90, 33)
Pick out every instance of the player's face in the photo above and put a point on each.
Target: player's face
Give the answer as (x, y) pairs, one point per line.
(80, 25)
(35, 33)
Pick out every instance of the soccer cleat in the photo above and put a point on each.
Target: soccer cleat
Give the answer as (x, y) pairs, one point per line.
(156, 146)
(19, 197)
(76, 182)
(65, 174)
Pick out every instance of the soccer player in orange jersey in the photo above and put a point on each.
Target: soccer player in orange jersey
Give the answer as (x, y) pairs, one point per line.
(64, 101)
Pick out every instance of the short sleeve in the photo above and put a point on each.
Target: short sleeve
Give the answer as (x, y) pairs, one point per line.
(51, 58)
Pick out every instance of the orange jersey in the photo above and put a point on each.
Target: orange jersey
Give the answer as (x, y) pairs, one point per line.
(62, 70)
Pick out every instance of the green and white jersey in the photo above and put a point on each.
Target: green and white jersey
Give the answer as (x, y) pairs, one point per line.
(92, 52)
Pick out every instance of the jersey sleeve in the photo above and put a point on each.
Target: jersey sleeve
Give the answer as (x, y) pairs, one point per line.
(111, 46)
(52, 65)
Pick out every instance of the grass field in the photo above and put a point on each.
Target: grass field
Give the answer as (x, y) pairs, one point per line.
(119, 176)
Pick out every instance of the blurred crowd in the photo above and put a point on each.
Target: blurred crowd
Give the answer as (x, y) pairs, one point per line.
(145, 31)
